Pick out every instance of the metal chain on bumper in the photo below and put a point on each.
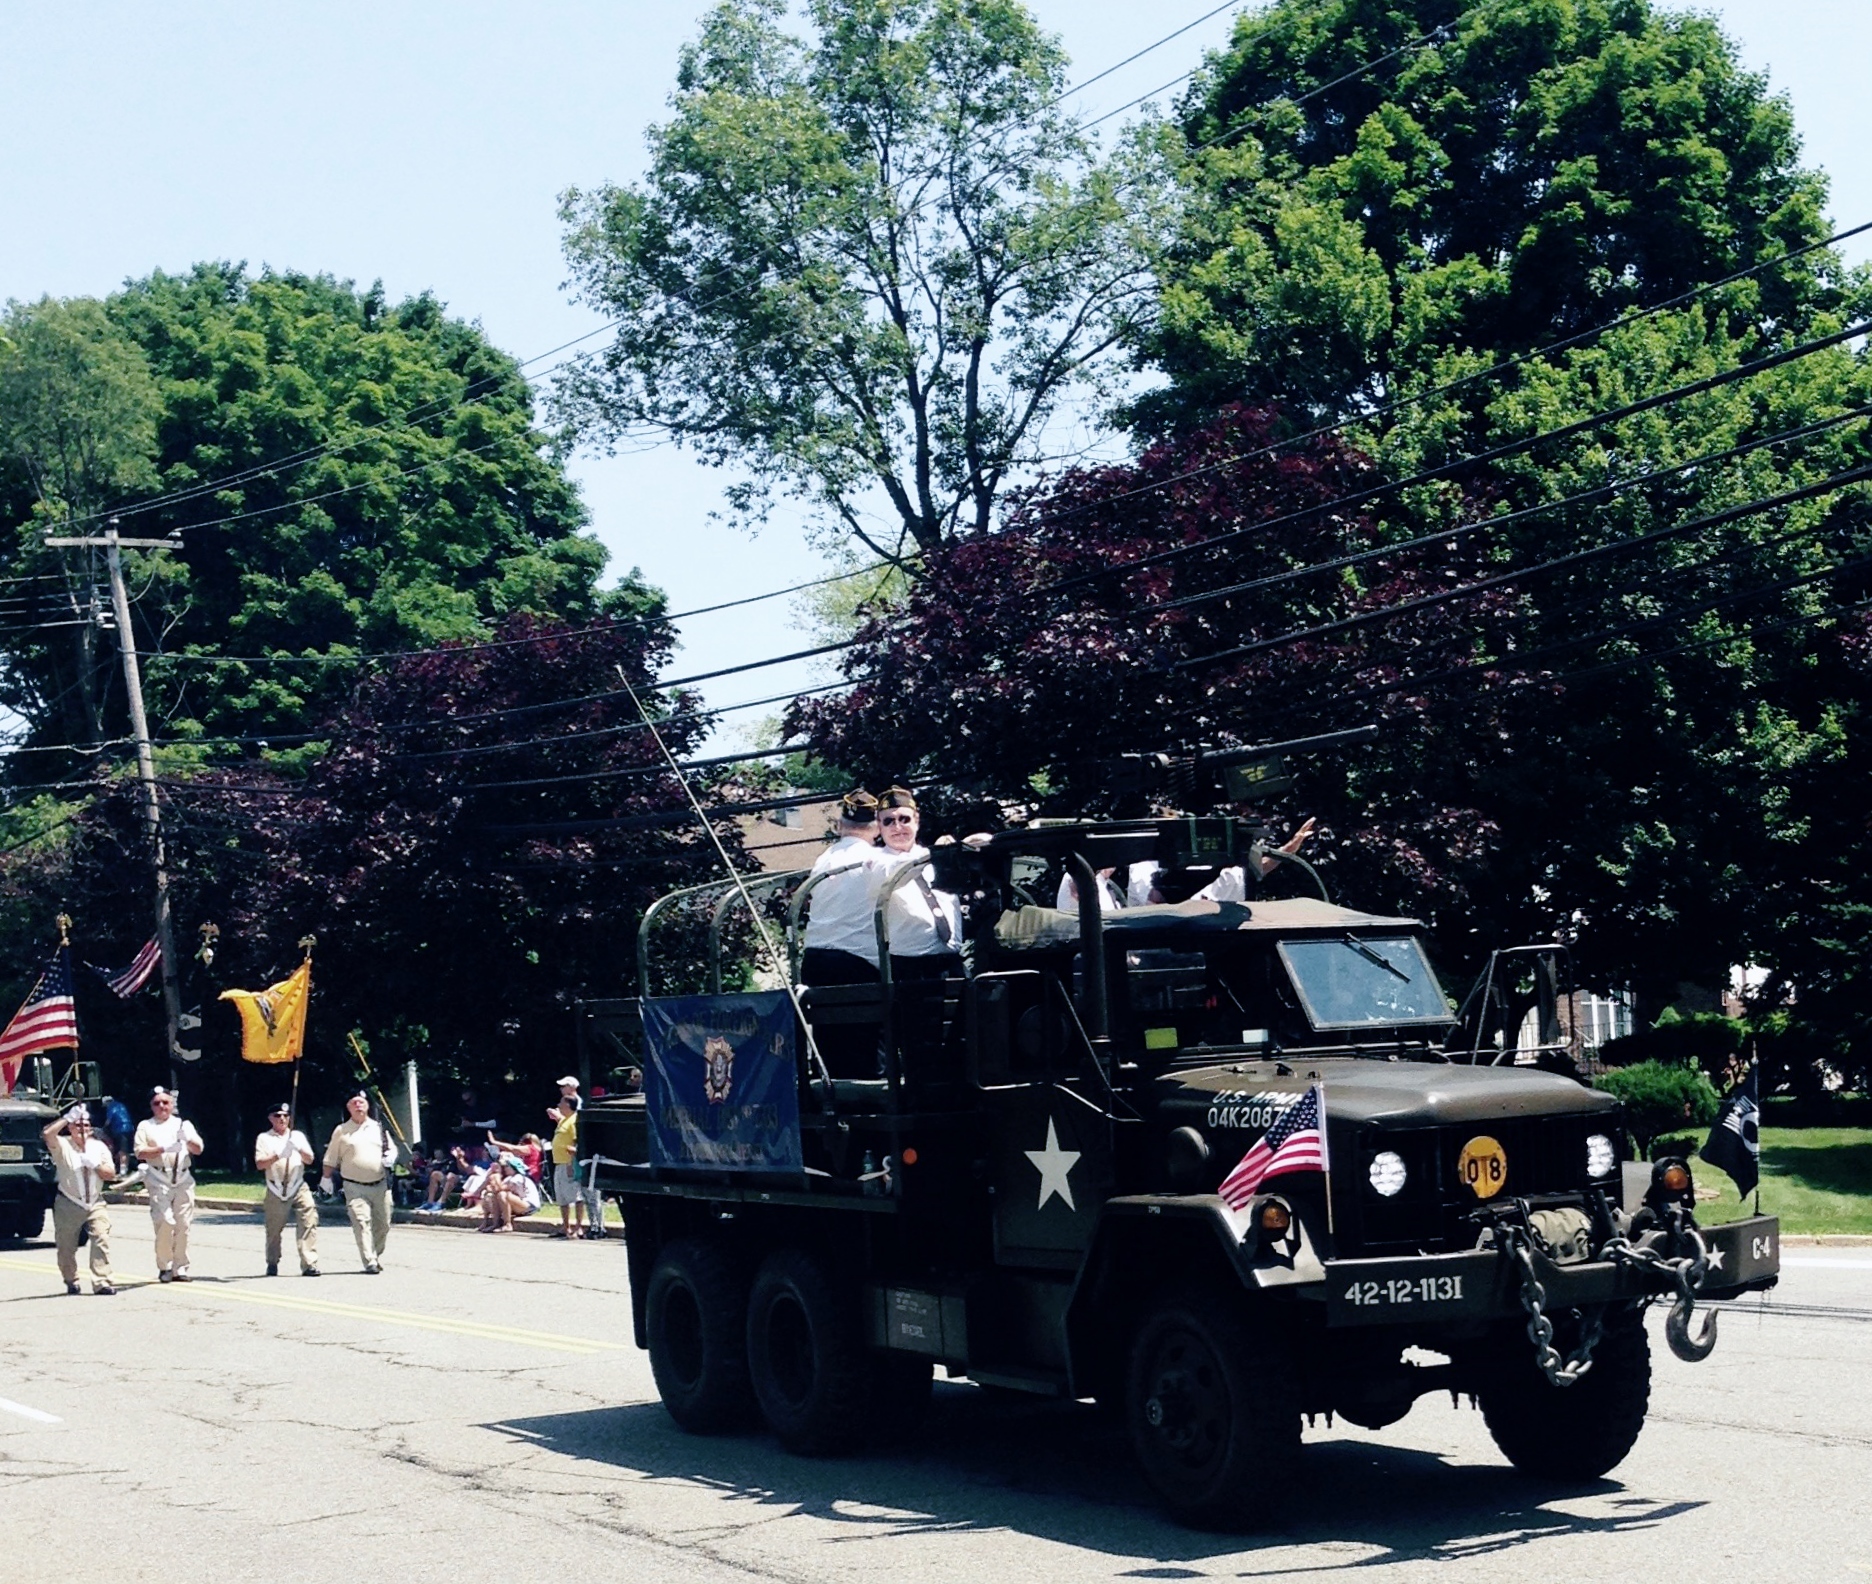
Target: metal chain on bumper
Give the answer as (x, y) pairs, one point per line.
(1686, 1275)
(1559, 1371)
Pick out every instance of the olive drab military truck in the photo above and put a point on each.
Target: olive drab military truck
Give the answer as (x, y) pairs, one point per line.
(27, 1178)
(1219, 1165)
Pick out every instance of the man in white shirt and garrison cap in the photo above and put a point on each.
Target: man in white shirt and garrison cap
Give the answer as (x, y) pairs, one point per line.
(84, 1166)
(281, 1155)
(362, 1152)
(167, 1147)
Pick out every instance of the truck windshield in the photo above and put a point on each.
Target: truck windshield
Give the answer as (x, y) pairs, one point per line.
(1362, 981)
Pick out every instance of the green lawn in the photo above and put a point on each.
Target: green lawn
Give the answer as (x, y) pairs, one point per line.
(1816, 1180)
(229, 1185)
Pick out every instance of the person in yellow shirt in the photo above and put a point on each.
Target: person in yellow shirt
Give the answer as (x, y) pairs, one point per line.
(565, 1165)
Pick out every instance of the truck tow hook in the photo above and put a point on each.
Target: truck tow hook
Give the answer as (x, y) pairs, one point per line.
(1691, 1349)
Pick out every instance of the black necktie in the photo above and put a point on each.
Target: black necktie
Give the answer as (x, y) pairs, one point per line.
(937, 912)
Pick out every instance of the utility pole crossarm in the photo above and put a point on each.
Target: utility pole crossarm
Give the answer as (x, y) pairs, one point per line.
(106, 542)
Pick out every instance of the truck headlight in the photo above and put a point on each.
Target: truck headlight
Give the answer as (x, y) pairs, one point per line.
(1387, 1173)
(1601, 1156)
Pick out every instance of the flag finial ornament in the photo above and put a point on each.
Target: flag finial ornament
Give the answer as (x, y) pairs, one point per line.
(64, 928)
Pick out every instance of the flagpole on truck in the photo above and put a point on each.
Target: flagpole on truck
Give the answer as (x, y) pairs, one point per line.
(111, 543)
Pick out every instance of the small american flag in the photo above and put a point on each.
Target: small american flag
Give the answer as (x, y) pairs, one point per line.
(45, 1021)
(1295, 1143)
(125, 982)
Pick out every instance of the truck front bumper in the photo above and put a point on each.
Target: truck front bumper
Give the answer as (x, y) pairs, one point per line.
(1485, 1284)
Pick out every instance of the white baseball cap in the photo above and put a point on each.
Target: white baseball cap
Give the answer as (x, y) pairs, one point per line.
(568, 1083)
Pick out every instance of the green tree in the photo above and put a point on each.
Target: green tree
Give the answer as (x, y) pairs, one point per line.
(865, 268)
(1519, 174)
(345, 475)
(1373, 245)
(78, 410)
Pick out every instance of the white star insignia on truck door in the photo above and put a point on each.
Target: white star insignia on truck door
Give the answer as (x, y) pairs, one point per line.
(1054, 1165)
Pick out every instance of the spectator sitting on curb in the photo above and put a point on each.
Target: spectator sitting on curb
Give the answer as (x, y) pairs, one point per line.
(473, 1185)
(447, 1173)
(529, 1152)
(508, 1193)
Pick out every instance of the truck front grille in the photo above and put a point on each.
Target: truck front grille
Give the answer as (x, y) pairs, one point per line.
(1435, 1212)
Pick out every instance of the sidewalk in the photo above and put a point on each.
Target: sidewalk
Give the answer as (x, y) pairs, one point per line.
(543, 1222)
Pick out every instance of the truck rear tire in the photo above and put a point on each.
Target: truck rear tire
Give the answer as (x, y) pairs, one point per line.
(695, 1314)
(1577, 1432)
(811, 1371)
(1213, 1407)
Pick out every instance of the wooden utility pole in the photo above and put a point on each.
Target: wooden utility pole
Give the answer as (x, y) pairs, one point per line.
(111, 544)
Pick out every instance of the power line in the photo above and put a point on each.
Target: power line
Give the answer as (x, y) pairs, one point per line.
(1140, 54)
(1483, 524)
(291, 463)
(1825, 486)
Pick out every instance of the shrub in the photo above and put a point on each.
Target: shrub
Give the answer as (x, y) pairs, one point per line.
(1660, 1098)
(1707, 1040)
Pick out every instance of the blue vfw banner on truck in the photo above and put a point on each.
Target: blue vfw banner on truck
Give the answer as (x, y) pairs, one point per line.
(720, 1083)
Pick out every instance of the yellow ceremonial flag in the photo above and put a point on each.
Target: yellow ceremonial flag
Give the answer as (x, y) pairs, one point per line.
(273, 1021)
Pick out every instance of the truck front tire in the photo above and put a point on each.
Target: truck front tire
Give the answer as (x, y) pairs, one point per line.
(695, 1313)
(807, 1356)
(22, 1223)
(1213, 1407)
(1577, 1432)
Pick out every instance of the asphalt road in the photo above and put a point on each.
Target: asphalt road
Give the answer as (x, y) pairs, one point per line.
(479, 1408)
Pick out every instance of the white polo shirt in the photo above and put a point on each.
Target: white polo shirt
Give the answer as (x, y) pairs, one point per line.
(1231, 885)
(173, 1137)
(78, 1178)
(284, 1154)
(842, 912)
(1110, 897)
(913, 931)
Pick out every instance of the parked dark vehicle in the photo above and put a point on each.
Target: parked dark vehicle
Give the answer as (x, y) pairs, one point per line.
(26, 1176)
(1041, 1188)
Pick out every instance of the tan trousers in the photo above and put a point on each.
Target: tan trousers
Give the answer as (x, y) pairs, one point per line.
(368, 1206)
(69, 1218)
(172, 1208)
(302, 1211)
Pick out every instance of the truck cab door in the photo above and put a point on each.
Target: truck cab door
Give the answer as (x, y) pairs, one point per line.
(1051, 1166)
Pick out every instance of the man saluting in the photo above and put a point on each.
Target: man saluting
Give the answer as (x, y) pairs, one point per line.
(167, 1147)
(84, 1165)
(362, 1152)
(282, 1154)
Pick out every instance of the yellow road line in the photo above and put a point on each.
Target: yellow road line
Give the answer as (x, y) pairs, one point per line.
(398, 1317)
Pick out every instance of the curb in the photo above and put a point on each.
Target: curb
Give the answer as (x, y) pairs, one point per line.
(540, 1224)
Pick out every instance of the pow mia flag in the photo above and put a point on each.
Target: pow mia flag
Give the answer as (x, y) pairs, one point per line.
(1735, 1141)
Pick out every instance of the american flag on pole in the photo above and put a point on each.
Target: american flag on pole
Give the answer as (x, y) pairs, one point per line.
(45, 1021)
(125, 982)
(1295, 1143)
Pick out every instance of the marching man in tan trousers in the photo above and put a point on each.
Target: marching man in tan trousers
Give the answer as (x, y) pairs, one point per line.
(167, 1147)
(282, 1155)
(362, 1152)
(84, 1165)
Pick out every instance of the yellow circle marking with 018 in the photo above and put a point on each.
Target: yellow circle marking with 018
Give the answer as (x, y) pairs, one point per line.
(1483, 1166)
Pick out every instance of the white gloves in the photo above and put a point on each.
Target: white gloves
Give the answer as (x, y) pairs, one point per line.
(325, 1185)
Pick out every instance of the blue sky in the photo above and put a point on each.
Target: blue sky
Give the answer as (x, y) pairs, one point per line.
(425, 144)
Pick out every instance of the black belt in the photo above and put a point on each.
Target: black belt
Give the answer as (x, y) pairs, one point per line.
(362, 1182)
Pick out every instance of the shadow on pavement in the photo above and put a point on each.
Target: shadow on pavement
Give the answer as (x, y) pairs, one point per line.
(1062, 1472)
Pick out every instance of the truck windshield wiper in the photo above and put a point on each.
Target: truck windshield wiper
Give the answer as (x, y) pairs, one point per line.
(1371, 955)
